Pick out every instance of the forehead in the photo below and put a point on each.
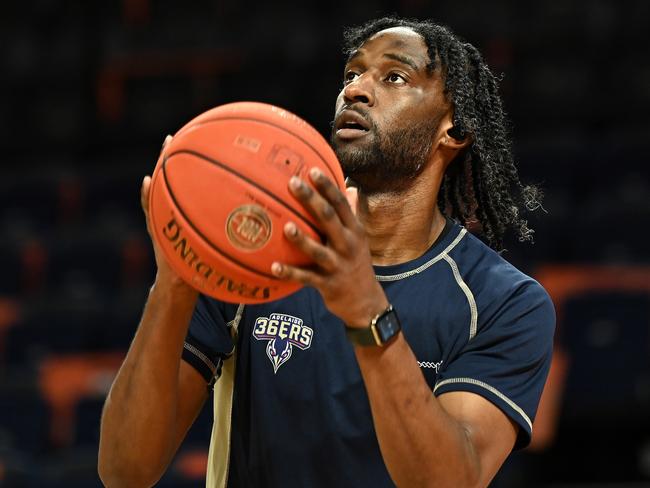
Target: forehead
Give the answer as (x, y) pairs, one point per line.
(398, 39)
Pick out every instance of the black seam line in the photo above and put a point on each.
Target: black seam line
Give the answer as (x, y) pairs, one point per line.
(252, 183)
(205, 239)
(250, 119)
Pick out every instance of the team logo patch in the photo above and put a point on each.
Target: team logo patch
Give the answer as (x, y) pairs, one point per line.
(248, 227)
(282, 333)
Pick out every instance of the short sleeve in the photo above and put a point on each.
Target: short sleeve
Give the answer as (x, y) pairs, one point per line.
(208, 340)
(508, 360)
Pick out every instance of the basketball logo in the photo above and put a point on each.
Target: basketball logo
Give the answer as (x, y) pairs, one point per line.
(248, 228)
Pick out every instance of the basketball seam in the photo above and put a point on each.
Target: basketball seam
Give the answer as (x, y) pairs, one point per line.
(205, 239)
(274, 125)
(252, 183)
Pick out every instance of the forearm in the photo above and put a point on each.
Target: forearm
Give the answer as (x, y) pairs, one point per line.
(138, 423)
(422, 445)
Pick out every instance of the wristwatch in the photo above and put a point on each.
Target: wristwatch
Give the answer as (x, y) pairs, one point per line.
(381, 330)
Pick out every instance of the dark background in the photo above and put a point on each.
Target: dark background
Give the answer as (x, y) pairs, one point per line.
(88, 90)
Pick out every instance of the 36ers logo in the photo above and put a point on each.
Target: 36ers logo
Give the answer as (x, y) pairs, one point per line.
(283, 332)
(248, 227)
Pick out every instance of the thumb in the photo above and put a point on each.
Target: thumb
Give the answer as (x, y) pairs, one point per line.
(144, 194)
(352, 195)
(167, 140)
(144, 200)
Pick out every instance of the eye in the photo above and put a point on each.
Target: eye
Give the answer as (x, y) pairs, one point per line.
(396, 79)
(349, 77)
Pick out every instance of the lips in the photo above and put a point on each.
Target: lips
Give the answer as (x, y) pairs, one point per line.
(351, 125)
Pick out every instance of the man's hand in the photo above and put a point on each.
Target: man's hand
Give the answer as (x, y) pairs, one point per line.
(342, 268)
(165, 274)
(155, 396)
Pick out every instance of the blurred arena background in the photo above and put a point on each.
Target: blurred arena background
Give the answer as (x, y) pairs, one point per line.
(88, 92)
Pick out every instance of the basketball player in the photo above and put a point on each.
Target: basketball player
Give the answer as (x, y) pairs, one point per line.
(415, 356)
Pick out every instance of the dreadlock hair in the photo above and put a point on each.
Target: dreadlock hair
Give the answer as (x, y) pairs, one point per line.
(482, 185)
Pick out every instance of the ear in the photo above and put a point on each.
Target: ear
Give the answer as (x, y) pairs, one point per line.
(452, 137)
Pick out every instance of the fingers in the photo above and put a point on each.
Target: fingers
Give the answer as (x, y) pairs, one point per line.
(301, 275)
(165, 142)
(146, 182)
(334, 196)
(321, 255)
(146, 185)
(327, 205)
(320, 209)
(144, 194)
(144, 199)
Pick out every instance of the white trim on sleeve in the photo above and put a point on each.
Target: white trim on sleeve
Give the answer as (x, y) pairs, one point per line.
(201, 356)
(492, 390)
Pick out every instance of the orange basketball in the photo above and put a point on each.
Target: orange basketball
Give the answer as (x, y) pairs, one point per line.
(219, 198)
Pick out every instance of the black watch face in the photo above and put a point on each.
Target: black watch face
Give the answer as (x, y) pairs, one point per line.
(388, 327)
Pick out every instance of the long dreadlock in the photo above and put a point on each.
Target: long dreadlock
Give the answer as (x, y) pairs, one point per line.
(482, 185)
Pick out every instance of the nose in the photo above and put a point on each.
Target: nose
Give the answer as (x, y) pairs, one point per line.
(360, 90)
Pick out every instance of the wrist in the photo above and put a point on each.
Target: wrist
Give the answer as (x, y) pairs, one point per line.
(367, 312)
(174, 288)
(382, 330)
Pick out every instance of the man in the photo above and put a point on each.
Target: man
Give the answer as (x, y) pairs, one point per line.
(323, 388)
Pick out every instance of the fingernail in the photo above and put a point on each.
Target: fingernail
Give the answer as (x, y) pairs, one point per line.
(294, 182)
(315, 173)
(276, 268)
(290, 228)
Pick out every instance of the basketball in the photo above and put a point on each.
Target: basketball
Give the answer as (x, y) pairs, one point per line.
(219, 199)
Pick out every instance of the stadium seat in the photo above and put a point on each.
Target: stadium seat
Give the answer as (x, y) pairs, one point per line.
(602, 403)
(10, 270)
(66, 380)
(54, 328)
(87, 260)
(87, 416)
(24, 418)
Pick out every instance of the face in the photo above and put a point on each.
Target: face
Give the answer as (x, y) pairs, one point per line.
(388, 111)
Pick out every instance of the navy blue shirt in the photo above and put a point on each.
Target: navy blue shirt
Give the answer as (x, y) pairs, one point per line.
(301, 415)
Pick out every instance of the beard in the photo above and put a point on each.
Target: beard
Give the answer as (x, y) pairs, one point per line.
(386, 161)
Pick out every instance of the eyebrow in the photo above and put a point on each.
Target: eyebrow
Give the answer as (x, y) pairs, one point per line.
(354, 54)
(395, 57)
(402, 59)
